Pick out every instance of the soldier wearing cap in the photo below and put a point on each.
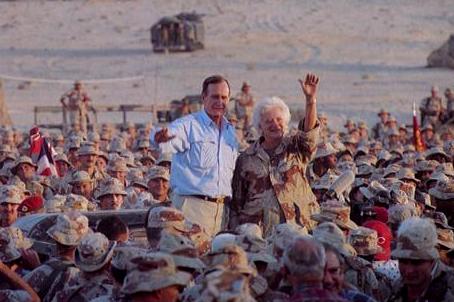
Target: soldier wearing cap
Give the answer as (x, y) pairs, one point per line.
(62, 164)
(379, 129)
(51, 276)
(9, 205)
(111, 194)
(118, 169)
(165, 160)
(244, 105)
(158, 183)
(24, 169)
(423, 276)
(93, 257)
(430, 138)
(154, 278)
(450, 103)
(77, 106)
(82, 184)
(269, 186)
(305, 261)
(324, 163)
(87, 156)
(432, 108)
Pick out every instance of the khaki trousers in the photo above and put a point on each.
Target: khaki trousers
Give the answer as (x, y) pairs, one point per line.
(207, 214)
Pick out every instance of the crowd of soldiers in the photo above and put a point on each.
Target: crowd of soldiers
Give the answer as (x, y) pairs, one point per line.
(379, 227)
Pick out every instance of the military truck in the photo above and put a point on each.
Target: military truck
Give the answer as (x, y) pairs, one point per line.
(183, 32)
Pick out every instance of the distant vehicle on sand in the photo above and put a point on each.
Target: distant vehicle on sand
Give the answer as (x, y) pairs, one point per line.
(183, 32)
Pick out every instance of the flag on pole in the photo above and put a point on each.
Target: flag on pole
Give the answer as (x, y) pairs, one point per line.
(417, 139)
(42, 153)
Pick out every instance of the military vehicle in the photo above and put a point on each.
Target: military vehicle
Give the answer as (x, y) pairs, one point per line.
(183, 32)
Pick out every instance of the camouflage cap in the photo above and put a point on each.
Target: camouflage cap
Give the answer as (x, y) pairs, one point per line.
(22, 160)
(392, 131)
(117, 165)
(373, 189)
(117, 145)
(443, 190)
(283, 234)
(391, 169)
(426, 127)
(349, 122)
(111, 186)
(21, 241)
(333, 211)
(440, 220)
(153, 271)
(10, 194)
(56, 204)
(144, 143)
(349, 139)
(445, 168)
(252, 229)
(345, 165)
(225, 285)
(324, 182)
(367, 159)
(77, 202)
(231, 257)
(407, 174)
(87, 149)
(364, 241)
(182, 249)
(330, 233)
(221, 240)
(255, 247)
(362, 125)
(166, 217)
(445, 238)
(438, 177)
(136, 178)
(325, 149)
(164, 157)
(123, 255)
(436, 151)
(80, 177)
(400, 212)
(62, 157)
(93, 252)
(364, 170)
(8, 249)
(69, 228)
(159, 172)
(383, 111)
(93, 137)
(416, 239)
(383, 155)
(426, 165)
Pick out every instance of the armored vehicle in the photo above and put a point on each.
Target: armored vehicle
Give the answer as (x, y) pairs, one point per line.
(183, 32)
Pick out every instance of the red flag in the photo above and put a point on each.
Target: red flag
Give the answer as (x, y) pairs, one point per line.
(41, 153)
(417, 138)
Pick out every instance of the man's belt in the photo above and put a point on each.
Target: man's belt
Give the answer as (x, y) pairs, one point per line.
(220, 199)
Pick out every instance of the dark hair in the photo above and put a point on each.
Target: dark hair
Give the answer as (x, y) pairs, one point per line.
(112, 227)
(214, 79)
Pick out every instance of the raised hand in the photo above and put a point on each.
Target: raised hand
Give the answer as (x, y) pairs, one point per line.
(162, 136)
(310, 86)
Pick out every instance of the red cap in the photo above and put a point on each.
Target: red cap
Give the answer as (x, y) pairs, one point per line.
(381, 214)
(385, 237)
(31, 204)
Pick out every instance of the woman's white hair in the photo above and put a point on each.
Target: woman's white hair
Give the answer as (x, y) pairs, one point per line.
(268, 104)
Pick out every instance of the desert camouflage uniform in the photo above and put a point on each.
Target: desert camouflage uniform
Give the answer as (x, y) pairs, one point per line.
(431, 111)
(244, 113)
(379, 130)
(87, 289)
(269, 191)
(44, 279)
(441, 288)
(77, 107)
(360, 274)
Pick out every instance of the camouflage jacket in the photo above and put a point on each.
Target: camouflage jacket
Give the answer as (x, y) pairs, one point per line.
(50, 277)
(87, 289)
(263, 184)
(441, 289)
(360, 274)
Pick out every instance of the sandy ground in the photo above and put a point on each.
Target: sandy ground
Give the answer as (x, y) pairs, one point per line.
(368, 53)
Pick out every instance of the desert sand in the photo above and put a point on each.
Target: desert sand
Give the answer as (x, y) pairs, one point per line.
(369, 53)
